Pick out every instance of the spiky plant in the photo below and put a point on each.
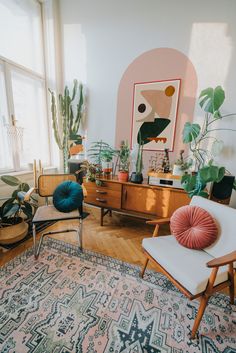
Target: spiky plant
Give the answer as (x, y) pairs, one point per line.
(67, 112)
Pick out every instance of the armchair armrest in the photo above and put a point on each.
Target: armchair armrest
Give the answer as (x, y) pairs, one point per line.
(29, 193)
(222, 260)
(159, 221)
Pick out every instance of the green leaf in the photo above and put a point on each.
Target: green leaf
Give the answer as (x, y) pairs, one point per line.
(210, 100)
(24, 187)
(211, 173)
(10, 210)
(190, 132)
(10, 180)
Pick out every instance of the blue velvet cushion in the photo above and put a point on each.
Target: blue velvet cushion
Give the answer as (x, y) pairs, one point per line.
(68, 196)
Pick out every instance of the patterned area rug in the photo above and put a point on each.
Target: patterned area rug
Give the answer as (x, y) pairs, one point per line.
(86, 302)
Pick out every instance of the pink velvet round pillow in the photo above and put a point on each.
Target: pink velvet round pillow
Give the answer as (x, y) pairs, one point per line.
(193, 227)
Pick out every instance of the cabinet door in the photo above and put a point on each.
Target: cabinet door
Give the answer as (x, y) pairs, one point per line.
(139, 199)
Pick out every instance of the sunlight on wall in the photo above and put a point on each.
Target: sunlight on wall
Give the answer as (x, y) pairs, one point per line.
(75, 55)
(210, 51)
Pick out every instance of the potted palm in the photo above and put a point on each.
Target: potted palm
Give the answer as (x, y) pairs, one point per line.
(124, 154)
(106, 159)
(16, 212)
(195, 183)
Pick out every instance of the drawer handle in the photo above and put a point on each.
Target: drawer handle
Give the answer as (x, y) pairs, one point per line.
(101, 200)
(101, 192)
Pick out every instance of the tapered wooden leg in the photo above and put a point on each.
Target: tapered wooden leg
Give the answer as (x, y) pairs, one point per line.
(144, 268)
(231, 286)
(202, 307)
(204, 300)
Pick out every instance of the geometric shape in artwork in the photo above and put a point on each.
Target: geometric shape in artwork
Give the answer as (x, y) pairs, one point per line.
(155, 106)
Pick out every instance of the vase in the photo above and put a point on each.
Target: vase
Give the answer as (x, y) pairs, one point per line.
(136, 178)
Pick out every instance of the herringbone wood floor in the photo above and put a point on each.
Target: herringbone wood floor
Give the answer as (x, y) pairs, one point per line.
(120, 237)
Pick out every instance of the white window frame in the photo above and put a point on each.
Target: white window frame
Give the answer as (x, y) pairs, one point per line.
(9, 65)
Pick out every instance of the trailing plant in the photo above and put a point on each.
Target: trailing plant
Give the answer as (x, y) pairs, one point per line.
(195, 136)
(67, 112)
(16, 206)
(124, 155)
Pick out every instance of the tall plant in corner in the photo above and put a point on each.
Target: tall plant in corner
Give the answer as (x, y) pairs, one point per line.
(210, 100)
(67, 112)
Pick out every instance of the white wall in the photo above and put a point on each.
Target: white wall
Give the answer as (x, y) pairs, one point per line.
(101, 38)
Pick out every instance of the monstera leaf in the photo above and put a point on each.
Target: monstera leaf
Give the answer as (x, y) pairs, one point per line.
(212, 173)
(211, 100)
(190, 132)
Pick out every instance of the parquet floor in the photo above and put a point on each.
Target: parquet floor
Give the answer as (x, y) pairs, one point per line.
(120, 237)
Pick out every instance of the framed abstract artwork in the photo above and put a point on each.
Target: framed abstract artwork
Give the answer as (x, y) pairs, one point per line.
(154, 115)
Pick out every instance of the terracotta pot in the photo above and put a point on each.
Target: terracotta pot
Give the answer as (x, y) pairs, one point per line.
(123, 176)
(14, 233)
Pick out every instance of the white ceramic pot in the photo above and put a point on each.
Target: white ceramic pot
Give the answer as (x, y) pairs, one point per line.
(177, 170)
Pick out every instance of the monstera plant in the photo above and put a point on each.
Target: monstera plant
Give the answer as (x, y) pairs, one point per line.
(196, 136)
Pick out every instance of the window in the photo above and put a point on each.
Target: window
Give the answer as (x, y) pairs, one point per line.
(23, 107)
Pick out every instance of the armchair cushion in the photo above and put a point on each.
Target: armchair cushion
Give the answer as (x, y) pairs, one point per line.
(187, 266)
(193, 227)
(68, 196)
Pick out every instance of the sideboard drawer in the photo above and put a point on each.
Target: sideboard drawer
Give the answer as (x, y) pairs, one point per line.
(105, 195)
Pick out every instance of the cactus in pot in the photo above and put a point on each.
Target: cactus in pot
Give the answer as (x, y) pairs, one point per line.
(67, 112)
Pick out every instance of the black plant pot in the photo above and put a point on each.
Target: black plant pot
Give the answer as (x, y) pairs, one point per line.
(136, 178)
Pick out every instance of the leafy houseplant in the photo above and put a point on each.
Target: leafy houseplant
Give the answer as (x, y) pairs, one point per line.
(67, 114)
(13, 227)
(195, 136)
(102, 154)
(181, 165)
(124, 155)
(90, 170)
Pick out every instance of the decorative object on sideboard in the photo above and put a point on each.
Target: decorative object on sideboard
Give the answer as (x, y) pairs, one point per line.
(166, 162)
(195, 136)
(16, 212)
(124, 155)
(137, 176)
(67, 114)
(181, 166)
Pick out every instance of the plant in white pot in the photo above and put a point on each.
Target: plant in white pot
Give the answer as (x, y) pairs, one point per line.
(124, 155)
(181, 165)
(16, 212)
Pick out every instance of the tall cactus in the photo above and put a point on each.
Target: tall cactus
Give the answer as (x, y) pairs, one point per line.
(67, 114)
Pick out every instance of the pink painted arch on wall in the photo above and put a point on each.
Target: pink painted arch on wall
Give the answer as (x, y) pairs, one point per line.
(157, 65)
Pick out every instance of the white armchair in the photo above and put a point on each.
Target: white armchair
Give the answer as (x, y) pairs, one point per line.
(198, 273)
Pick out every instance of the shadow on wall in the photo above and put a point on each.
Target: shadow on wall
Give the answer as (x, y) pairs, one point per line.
(157, 65)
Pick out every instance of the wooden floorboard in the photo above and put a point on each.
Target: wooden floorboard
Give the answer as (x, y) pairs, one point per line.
(120, 237)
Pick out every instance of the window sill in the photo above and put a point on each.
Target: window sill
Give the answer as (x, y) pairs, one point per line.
(27, 171)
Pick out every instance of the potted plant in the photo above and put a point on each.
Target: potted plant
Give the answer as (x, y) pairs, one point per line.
(67, 113)
(16, 211)
(90, 170)
(124, 154)
(195, 136)
(106, 159)
(181, 166)
(101, 153)
(137, 176)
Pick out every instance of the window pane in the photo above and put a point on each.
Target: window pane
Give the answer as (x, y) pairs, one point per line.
(21, 33)
(6, 162)
(30, 114)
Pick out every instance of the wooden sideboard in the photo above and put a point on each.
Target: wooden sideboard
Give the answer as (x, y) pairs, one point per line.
(140, 200)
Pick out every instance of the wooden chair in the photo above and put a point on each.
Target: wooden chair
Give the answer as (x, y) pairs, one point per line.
(46, 185)
(197, 273)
